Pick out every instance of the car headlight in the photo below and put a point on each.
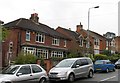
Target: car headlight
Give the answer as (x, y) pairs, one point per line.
(62, 73)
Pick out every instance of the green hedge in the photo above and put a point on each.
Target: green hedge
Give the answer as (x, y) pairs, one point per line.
(100, 57)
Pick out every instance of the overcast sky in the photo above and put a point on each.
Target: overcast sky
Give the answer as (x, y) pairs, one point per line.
(65, 13)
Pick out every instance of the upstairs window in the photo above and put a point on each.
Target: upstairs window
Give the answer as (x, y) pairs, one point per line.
(113, 43)
(96, 41)
(107, 43)
(65, 43)
(81, 41)
(87, 44)
(55, 41)
(27, 35)
(40, 38)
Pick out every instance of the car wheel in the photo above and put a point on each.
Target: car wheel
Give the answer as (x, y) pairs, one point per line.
(43, 80)
(90, 75)
(71, 78)
(113, 69)
(107, 70)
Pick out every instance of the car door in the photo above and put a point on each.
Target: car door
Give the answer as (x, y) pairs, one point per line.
(37, 72)
(24, 75)
(84, 66)
(110, 65)
(77, 69)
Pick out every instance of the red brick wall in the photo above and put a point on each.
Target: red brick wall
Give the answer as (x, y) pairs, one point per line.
(117, 40)
(12, 37)
(102, 44)
(48, 40)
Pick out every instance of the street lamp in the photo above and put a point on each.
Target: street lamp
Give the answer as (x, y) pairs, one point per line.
(89, 23)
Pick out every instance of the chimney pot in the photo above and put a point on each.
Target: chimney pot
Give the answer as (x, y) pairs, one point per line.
(34, 17)
(79, 28)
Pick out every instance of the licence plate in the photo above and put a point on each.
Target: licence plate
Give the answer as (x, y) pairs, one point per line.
(52, 75)
(98, 69)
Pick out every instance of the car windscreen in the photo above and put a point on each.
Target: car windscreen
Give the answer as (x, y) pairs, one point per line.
(65, 63)
(99, 62)
(118, 61)
(10, 70)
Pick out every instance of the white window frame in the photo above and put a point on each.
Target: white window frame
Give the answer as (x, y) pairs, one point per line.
(28, 34)
(96, 42)
(41, 38)
(81, 42)
(107, 43)
(55, 41)
(113, 43)
(57, 54)
(30, 50)
(87, 44)
(42, 53)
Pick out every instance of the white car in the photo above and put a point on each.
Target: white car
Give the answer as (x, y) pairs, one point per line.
(72, 68)
(27, 73)
(117, 64)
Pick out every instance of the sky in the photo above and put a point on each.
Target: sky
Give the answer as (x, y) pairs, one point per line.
(65, 13)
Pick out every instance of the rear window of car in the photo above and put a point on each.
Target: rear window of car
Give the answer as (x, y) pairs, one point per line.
(99, 62)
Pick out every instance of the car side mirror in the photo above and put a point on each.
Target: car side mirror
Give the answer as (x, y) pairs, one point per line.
(77, 66)
(18, 74)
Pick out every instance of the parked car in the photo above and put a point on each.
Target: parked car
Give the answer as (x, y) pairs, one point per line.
(117, 64)
(103, 65)
(72, 68)
(27, 73)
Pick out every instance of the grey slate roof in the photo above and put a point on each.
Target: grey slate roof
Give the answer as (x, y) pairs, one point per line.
(38, 27)
(72, 34)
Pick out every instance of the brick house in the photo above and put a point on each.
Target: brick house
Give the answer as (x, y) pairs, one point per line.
(110, 41)
(117, 44)
(80, 39)
(98, 41)
(30, 36)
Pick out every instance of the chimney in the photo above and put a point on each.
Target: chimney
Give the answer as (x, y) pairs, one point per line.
(79, 28)
(34, 17)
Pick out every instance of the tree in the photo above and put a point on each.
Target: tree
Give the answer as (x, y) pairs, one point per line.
(3, 33)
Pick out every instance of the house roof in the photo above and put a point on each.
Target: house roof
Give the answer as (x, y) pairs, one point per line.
(94, 34)
(72, 34)
(31, 25)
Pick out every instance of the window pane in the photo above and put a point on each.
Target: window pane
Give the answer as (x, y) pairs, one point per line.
(27, 36)
(36, 69)
(25, 70)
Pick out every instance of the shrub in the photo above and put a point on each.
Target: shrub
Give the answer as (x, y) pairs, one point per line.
(106, 52)
(100, 57)
(74, 55)
(25, 58)
(114, 57)
(91, 57)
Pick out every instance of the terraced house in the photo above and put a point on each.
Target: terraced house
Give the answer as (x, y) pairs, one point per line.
(30, 36)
